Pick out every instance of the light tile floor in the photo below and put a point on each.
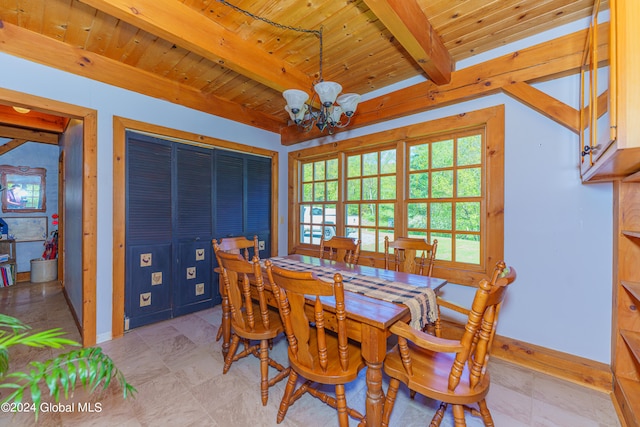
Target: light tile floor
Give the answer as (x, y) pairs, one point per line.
(176, 366)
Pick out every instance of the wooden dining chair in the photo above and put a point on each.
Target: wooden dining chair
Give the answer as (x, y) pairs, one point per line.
(316, 354)
(410, 254)
(450, 371)
(238, 245)
(343, 249)
(250, 321)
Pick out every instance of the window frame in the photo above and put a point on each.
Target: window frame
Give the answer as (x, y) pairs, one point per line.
(492, 216)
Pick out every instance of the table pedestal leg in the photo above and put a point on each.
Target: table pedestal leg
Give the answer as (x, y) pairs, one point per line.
(374, 349)
(375, 396)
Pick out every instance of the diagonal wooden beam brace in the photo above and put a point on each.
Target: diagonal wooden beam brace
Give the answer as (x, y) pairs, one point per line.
(179, 24)
(545, 104)
(408, 24)
(10, 145)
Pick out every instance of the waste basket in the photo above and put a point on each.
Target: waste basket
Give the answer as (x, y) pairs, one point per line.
(44, 270)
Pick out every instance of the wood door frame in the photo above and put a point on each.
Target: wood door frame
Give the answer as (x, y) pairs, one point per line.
(120, 126)
(89, 118)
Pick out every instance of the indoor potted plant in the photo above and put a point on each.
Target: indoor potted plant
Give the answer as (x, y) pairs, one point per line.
(87, 366)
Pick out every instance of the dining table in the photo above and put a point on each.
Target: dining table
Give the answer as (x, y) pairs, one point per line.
(368, 317)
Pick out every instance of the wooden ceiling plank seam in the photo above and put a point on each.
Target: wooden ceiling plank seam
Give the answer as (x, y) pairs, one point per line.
(481, 25)
(449, 10)
(10, 145)
(56, 18)
(405, 20)
(141, 46)
(31, 14)
(81, 18)
(10, 11)
(475, 15)
(541, 23)
(364, 31)
(101, 32)
(122, 35)
(185, 27)
(543, 60)
(495, 30)
(37, 48)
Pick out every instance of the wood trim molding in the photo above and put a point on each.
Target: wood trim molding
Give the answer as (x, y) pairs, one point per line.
(578, 370)
(89, 195)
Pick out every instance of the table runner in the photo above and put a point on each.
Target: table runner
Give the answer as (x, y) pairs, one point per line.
(421, 301)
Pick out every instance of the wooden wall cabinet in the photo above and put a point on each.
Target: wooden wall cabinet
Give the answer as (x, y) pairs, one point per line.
(618, 149)
(8, 246)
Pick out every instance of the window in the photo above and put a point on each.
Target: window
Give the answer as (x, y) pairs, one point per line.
(444, 182)
(23, 189)
(371, 196)
(444, 194)
(318, 195)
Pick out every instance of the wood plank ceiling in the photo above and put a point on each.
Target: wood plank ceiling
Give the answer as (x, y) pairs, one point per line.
(206, 55)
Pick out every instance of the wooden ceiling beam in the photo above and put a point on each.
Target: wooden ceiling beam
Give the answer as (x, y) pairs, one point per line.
(29, 135)
(408, 24)
(44, 50)
(180, 24)
(558, 57)
(33, 120)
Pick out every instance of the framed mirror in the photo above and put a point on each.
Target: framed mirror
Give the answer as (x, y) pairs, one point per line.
(23, 189)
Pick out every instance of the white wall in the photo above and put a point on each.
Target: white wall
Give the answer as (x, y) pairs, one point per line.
(558, 232)
(24, 76)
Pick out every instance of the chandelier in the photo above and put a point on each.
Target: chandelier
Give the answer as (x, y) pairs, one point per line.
(327, 109)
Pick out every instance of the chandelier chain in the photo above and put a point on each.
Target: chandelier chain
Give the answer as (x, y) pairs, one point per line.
(318, 33)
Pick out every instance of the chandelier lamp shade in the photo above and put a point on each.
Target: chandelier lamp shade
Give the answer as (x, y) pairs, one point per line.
(326, 109)
(334, 111)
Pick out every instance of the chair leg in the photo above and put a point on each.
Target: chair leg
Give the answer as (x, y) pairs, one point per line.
(485, 414)
(264, 371)
(341, 406)
(458, 416)
(439, 415)
(390, 401)
(230, 355)
(286, 398)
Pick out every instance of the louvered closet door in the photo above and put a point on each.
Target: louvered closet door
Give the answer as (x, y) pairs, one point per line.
(243, 197)
(148, 230)
(193, 289)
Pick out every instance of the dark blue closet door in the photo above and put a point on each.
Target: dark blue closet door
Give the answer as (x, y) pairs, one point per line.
(193, 290)
(148, 229)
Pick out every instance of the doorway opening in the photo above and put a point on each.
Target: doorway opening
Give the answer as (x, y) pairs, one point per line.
(80, 157)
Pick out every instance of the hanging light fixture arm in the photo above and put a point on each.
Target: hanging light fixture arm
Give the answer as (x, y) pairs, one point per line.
(328, 116)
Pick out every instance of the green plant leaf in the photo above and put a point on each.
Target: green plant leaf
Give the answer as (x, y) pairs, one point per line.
(4, 361)
(90, 366)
